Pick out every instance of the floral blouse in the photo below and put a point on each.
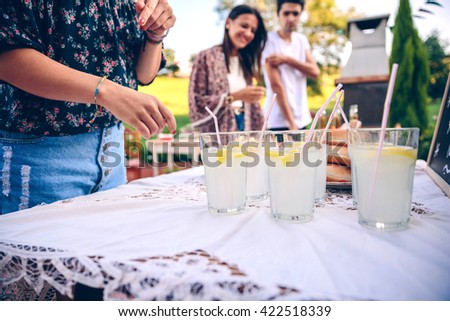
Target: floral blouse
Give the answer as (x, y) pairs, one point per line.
(209, 86)
(100, 37)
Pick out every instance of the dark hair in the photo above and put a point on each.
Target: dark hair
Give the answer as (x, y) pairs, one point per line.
(250, 56)
(281, 2)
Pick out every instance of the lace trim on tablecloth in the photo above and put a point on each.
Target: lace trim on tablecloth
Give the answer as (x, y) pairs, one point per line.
(192, 275)
(21, 291)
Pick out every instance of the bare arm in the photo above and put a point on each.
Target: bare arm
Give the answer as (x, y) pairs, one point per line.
(309, 67)
(156, 17)
(39, 75)
(149, 61)
(278, 88)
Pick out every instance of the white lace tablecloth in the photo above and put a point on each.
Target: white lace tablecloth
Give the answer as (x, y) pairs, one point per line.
(154, 239)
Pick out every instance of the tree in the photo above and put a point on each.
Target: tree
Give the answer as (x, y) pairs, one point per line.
(325, 29)
(171, 65)
(439, 68)
(409, 101)
(223, 7)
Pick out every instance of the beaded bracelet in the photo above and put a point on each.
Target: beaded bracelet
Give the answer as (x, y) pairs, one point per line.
(154, 39)
(99, 108)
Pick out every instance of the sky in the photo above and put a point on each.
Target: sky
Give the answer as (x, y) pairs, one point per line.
(197, 27)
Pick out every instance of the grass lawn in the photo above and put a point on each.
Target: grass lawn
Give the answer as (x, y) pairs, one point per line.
(173, 92)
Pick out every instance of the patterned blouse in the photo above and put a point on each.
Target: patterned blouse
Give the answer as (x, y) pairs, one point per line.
(208, 86)
(99, 37)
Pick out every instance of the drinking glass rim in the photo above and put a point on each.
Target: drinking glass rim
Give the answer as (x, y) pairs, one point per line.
(378, 129)
(289, 132)
(223, 133)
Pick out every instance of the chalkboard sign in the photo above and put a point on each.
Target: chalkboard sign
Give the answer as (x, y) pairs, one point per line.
(439, 158)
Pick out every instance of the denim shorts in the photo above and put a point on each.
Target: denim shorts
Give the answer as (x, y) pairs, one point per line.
(42, 169)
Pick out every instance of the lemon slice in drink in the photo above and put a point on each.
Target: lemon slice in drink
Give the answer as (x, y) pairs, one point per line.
(285, 157)
(399, 151)
(223, 153)
(252, 149)
(298, 145)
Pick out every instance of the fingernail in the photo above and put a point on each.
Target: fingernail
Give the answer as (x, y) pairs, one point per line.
(174, 132)
(141, 21)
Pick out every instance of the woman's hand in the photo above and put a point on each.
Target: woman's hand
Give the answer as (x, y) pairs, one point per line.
(250, 94)
(145, 113)
(155, 16)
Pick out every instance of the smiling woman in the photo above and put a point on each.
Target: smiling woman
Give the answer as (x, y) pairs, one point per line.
(222, 76)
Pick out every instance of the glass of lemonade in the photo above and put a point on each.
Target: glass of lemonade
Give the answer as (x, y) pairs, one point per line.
(384, 187)
(257, 177)
(292, 167)
(225, 171)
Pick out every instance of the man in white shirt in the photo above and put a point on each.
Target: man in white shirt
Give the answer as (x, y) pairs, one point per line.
(288, 62)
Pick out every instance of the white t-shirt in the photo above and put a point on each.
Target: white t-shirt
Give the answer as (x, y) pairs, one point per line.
(294, 81)
(236, 79)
